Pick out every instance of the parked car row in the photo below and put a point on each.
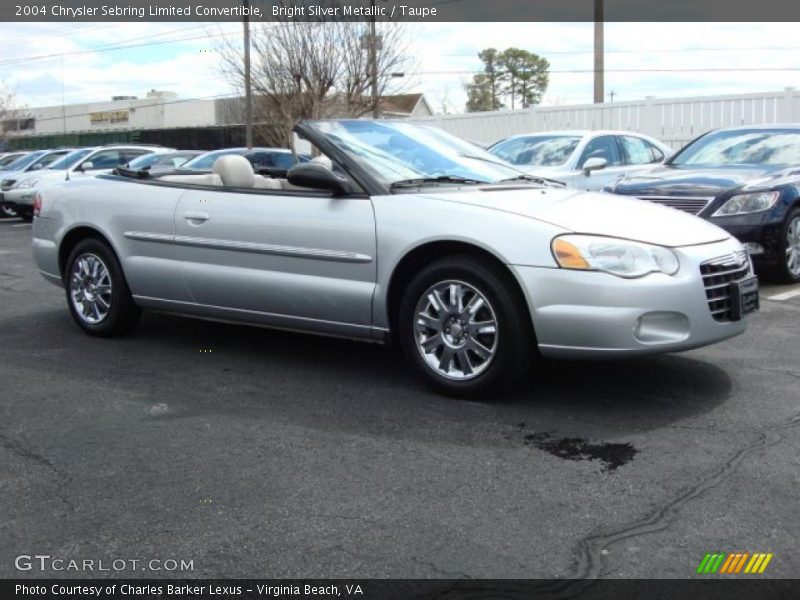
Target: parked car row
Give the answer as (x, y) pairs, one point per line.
(25, 173)
(399, 232)
(745, 180)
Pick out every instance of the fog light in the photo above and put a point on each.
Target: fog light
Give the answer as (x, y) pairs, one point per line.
(753, 248)
(661, 328)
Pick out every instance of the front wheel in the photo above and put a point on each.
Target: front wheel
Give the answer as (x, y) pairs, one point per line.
(788, 269)
(464, 327)
(97, 293)
(6, 212)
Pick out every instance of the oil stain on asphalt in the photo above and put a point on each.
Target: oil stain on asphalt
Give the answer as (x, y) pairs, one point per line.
(611, 455)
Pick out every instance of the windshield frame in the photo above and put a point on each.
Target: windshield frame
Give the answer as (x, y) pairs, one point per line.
(365, 176)
(741, 130)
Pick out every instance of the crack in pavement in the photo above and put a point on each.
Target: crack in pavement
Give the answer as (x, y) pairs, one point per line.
(590, 549)
(18, 448)
(788, 372)
(440, 571)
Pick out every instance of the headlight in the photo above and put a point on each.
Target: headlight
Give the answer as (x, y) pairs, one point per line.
(26, 184)
(622, 258)
(745, 204)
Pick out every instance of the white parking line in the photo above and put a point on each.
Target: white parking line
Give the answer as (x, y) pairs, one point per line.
(784, 295)
(22, 225)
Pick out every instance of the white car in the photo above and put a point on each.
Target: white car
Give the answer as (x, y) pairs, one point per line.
(587, 160)
(26, 163)
(6, 158)
(86, 162)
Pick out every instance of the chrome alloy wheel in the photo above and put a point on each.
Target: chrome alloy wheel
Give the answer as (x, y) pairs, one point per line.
(456, 330)
(793, 247)
(90, 288)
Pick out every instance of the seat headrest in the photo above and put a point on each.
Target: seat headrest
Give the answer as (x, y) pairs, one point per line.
(234, 170)
(322, 160)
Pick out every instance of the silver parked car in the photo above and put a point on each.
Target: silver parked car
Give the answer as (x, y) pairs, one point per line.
(588, 160)
(84, 162)
(402, 231)
(27, 163)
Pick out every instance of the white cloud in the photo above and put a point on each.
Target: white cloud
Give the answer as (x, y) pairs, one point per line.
(655, 55)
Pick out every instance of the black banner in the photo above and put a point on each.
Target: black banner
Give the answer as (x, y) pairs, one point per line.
(701, 588)
(400, 10)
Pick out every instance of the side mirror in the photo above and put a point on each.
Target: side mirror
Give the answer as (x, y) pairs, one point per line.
(317, 177)
(37, 166)
(594, 163)
(87, 166)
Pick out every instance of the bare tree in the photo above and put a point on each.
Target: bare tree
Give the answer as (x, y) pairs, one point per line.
(313, 69)
(12, 113)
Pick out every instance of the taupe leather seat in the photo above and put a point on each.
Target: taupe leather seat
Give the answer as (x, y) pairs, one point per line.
(230, 170)
(204, 179)
(236, 171)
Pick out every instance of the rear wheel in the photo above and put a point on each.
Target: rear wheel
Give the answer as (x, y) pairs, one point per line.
(788, 269)
(465, 329)
(97, 293)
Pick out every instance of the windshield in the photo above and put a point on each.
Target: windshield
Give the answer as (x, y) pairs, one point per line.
(537, 150)
(70, 159)
(774, 147)
(393, 152)
(24, 161)
(11, 158)
(146, 160)
(204, 162)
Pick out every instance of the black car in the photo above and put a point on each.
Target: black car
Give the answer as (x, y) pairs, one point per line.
(745, 180)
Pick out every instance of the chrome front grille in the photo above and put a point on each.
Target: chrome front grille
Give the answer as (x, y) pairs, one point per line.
(691, 205)
(718, 273)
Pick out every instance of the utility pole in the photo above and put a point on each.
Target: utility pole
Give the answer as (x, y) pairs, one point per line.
(373, 61)
(599, 59)
(611, 95)
(248, 98)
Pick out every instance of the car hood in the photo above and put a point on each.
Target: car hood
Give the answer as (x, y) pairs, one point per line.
(680, 180)
(48, 175)
(539, 171)
(7, 174)
(595, 214)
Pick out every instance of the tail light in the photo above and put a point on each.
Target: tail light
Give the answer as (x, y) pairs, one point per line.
(37, 205)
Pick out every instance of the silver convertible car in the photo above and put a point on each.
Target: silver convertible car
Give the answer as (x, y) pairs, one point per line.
(397, 231)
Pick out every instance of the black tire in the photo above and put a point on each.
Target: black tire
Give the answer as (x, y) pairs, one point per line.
(26, 216)
(122, 313)
(780, 272)
(514, 346)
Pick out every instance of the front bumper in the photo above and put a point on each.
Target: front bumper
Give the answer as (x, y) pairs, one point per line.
(766, 234)
(19, 198)
(580, 314)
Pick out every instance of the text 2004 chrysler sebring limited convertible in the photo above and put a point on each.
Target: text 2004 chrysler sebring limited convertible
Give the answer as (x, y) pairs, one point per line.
(398, 229)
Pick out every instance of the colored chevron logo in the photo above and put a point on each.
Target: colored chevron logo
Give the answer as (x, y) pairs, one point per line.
(734, 563)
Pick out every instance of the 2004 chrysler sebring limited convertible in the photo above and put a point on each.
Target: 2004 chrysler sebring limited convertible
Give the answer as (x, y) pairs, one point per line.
(398, 231)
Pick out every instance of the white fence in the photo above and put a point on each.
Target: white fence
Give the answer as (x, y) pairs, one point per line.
(674, 121)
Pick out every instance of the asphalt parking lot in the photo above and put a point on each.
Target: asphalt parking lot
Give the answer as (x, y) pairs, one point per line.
(268, 454)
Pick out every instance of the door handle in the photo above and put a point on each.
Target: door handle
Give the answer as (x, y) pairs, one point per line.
(192, 215)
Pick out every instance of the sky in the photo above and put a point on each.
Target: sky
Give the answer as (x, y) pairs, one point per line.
(91, 62)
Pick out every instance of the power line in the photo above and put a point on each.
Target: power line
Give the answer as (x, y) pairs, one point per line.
(655, 70)
(114, 47)
(546, 53)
